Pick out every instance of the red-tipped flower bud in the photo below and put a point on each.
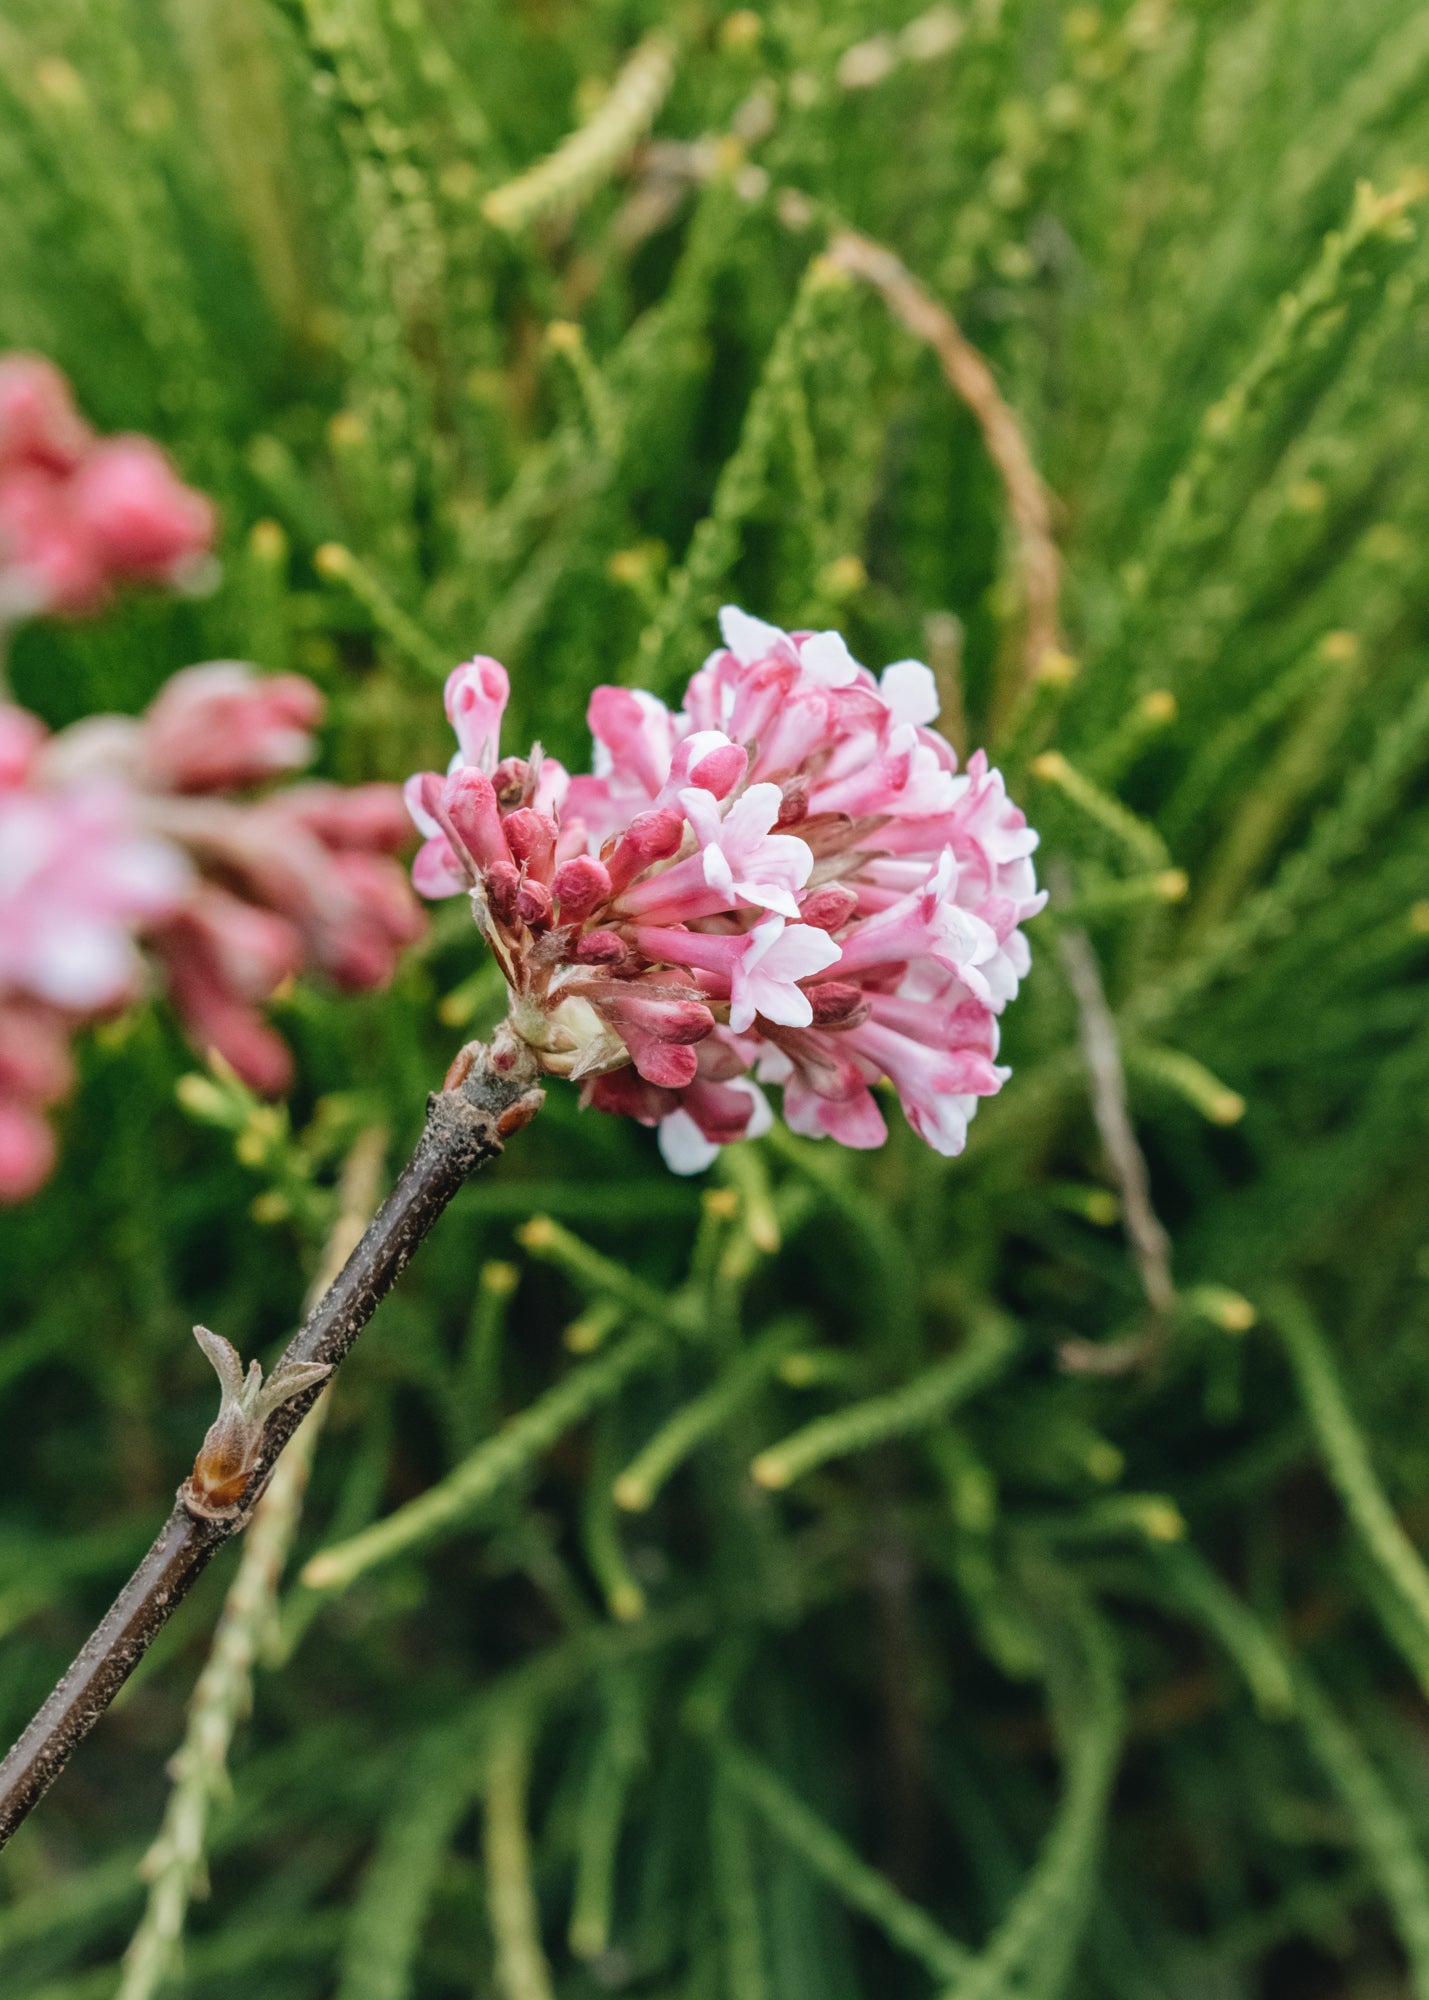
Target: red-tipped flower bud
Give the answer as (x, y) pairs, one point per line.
(651, 836)
(531, 836)
(580, 885)
(600, 948)
(533, 905)
(511, 779)
(829, 908)
(503, 886)
(39, 423)
(469, 817)
(129, 499)
(837, 1005)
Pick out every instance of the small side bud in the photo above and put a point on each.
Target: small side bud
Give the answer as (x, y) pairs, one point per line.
(838, 1005)
(829, 908)
(231, 1450)
(533, 905)
(600, 948)
(503, 887)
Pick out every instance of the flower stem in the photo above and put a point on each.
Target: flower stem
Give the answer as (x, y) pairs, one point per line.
(467, 1123)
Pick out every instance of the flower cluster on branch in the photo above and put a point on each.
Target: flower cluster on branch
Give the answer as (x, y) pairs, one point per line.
(787, 881)
(136, 851)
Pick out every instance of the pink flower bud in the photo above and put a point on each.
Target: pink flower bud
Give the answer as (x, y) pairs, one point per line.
(580, 886)
(371, 818)
(143, 519)
(709, 762)
(837, 1004)
(652, 1007)
(672, 1065)
(48, 560)
(38, 420)
(650, 837)
(601, 948)
(221, 726)
(531, 836)
(214, 1018)
(359, 948)
(626, 1094)
(512, 779)
(247, 949)
(503, 887)
(829, 908)
(467, 810)
(533, 905)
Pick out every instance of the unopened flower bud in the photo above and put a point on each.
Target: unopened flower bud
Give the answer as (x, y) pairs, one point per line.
(600, 948)
(829, 908)
(221, 725)
(533, 905)
(650, 837)
(579, 886)
(137, 510)
(719, 770)
(468, 814)
(38, 420)
(503, 886)
(531, 836)
(511, 778)
(838, 1005)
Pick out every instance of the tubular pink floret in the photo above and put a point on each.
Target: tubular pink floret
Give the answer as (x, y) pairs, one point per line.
(221, 726)
(80, 514)
(466, 809)
(786, 881)
(137, 512)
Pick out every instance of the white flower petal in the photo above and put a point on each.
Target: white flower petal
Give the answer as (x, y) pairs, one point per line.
(910, 691)
(826, 659)
(750, 639)
(683, 1146)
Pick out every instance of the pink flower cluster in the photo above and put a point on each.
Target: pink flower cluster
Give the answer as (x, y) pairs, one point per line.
(121, 832)
(788, 882)
(80, 514)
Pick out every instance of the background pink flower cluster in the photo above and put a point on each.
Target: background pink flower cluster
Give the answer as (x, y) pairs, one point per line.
(78, 513)
(126, 859)
(787, 881)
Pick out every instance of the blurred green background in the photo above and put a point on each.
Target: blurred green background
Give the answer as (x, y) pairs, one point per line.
(1040, 1678)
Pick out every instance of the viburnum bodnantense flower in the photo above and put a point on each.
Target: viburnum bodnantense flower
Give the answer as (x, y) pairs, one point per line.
(134, 851)
(80, 514)
(787, 881)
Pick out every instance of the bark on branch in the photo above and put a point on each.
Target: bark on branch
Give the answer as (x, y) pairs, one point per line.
(489, 1094)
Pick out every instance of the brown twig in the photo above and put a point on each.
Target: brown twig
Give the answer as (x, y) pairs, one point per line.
(969, 377)
(174, 1864)
(1150, 1245)
(489, 1094)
